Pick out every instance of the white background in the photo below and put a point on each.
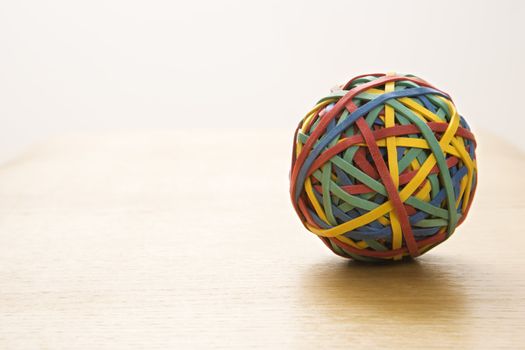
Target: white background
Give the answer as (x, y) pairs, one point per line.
(99, 65)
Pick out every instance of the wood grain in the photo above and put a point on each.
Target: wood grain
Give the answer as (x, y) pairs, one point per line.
(187, 239)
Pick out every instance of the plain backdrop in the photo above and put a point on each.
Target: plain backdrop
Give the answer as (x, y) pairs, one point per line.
(105, 65)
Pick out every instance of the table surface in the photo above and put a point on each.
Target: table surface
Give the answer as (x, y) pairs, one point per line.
(186, 239)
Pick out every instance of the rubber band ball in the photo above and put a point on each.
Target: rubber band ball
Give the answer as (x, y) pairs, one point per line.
(383, 168)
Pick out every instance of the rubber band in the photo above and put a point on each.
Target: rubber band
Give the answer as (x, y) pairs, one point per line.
(383, 168)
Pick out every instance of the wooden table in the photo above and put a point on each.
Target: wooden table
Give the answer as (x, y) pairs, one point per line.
(185, 239)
